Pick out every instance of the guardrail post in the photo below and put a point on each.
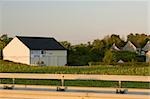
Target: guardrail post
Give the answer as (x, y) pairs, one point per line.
(13, 81)
(62, 81)
(62, 87)
(120, 89)
(120, 84)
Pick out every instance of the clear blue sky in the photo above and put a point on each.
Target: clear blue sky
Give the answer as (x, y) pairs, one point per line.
(74, 21)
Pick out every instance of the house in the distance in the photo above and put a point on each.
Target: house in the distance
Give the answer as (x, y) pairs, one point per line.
(129, 47)
(143, 53)
(147, 47)
(146, 50)
(35, 51)
(114, 48)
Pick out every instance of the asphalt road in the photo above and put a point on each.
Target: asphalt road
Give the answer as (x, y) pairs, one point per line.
(49, 92)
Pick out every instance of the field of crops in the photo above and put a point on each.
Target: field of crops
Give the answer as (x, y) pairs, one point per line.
(10, 67)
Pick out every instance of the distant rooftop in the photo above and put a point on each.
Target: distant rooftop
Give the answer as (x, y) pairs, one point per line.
(114, 47)
(147, 46)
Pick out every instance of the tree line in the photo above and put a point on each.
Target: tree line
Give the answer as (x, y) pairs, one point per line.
(97, 50)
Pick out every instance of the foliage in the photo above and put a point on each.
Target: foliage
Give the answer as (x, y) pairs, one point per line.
(108, 58)
(2, 44)
(95, 51)
(66, 44)
(126, 56)
(5, 39)
(139, 40)
(81, 54)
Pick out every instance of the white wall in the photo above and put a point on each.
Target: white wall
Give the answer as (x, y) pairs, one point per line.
(129, 47)
(50, 58)
(16, 51)
(148, 56)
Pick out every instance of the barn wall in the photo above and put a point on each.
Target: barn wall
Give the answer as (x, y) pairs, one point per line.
(16, 51)
(148, 56)
(49, 58)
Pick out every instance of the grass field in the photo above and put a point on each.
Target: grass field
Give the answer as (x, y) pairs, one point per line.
(9, 67)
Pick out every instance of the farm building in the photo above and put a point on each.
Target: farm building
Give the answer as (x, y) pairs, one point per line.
(147, 50)
(129, 47)
(147, 46)
(114, 48)
(148, 57)
(144, 53)
(35, 51)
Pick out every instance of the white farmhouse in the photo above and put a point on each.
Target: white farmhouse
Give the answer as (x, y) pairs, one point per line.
(114, 48)
(147, 46)
(147, 51)
(35, 51)
(129, 47)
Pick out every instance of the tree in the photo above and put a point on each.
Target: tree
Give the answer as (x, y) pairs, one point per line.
(108, 58)
(110, 40)
(79, 55)
(5, 38)
(98, 50)
(2, 44)
(66, 44)
(139, 40)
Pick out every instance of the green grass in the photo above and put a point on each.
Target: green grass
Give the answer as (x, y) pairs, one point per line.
(81, 83)
(9, 67)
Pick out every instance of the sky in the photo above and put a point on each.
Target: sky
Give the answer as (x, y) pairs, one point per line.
(76, 21)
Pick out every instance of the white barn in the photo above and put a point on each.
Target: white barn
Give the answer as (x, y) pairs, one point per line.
(35, 51)
(148, 57)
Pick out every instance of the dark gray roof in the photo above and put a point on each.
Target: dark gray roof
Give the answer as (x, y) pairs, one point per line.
(41, 43)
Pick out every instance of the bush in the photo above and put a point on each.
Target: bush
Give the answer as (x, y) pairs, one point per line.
(1, 54)
(112, 57)
(126, 56)
(108, 58)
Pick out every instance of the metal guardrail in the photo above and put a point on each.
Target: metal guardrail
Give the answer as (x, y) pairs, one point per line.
(76, 77)
(64, 77)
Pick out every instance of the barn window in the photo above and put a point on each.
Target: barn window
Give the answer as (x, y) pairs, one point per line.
(36, 56)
